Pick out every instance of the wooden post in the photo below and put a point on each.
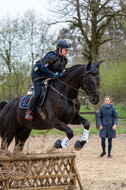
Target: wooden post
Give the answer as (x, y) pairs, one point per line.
(96, 116)
(73, 170)
(7, 185)
(23, 157)
(78, 178)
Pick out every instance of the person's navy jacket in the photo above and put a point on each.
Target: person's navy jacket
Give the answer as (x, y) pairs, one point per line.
(107, 117)
(51, 63)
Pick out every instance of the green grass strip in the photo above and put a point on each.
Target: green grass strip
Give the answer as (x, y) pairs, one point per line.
(77, 131)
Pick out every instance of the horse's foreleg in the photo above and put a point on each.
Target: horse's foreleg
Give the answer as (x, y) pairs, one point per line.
(77, 120)
(62, 127)
(80, 120)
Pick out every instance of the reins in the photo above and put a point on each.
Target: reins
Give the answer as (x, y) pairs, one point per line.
(87, 92)
(67, 84)
(72, 100)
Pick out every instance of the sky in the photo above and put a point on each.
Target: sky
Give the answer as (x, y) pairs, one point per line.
(15, 8)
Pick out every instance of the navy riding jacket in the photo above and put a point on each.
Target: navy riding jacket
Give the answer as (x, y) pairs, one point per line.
(51, 63)
(107, 117)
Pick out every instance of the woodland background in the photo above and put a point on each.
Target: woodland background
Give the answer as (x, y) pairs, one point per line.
(96, 29)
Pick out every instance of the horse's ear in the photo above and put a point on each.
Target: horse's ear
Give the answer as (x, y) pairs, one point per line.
(88, 65)
(97, 64)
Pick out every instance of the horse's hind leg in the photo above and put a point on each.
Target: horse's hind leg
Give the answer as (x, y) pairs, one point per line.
(7, 129)
(6, 139)
(21, 136)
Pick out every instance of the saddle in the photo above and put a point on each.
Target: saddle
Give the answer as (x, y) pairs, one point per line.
(25, 100)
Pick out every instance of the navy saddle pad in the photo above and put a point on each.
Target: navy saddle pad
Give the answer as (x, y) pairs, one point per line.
(24, 102)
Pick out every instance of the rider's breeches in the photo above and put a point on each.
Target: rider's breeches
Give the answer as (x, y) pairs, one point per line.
(37, 87)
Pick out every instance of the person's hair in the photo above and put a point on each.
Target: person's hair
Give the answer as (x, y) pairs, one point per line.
(109, 98)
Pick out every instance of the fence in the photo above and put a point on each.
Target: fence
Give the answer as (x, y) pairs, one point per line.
(41, 172)
(96, 116)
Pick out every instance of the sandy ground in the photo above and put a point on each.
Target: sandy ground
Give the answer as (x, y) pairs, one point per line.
(96, 173)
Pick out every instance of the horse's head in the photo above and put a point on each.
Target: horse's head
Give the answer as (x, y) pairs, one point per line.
(90, 82)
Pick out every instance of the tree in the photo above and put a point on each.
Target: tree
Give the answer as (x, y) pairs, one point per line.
(22, 41)
(9, 42)
(35, 33)
(9, 52)
(90, 18)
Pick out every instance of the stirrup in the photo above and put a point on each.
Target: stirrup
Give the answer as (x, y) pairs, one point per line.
(29, 115)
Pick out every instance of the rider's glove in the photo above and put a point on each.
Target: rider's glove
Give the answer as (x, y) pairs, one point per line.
(55, 75)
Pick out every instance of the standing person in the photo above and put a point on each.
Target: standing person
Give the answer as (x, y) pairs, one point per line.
(53, 62)
(107, 121)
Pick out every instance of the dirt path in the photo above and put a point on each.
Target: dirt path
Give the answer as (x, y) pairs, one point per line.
(96, 173)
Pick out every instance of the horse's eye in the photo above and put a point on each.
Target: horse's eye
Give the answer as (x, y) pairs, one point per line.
(94, 74)
(89, 78)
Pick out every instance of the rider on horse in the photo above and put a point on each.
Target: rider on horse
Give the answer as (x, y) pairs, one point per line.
(52, 62)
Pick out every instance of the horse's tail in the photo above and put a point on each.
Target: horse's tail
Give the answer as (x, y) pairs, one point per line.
(2, 104)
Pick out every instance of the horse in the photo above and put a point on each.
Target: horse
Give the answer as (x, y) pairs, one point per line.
(2, 104)
(60, 108)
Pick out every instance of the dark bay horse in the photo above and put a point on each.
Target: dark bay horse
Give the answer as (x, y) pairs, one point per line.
(60, 107)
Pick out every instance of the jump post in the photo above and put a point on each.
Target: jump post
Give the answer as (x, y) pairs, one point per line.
(96, 116)
(41, 172)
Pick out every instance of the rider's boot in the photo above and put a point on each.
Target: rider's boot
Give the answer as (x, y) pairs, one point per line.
(31, 105)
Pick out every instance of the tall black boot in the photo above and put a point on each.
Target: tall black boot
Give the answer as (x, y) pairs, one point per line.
(31, 106)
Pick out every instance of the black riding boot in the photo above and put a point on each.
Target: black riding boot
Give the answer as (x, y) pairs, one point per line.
(31, 106)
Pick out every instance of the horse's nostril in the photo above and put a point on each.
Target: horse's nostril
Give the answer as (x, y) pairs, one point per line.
(94, 99)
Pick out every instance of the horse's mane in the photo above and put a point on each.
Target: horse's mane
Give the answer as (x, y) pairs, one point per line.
(69, 70)
(73, 68)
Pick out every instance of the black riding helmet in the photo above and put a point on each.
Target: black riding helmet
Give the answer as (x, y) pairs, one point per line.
(63, 44)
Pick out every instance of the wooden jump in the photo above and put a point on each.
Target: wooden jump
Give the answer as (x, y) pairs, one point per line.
(41, 172)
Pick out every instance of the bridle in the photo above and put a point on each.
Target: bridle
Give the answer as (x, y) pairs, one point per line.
(87, 92)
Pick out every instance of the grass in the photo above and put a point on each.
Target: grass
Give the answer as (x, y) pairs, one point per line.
(90, 117)
(121, 130)
(77, 131)
(121, 108)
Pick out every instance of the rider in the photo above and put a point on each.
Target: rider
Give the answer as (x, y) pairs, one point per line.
(52, 62)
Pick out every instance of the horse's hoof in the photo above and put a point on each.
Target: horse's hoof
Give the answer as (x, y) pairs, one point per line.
(79, 145)
(58, 144)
